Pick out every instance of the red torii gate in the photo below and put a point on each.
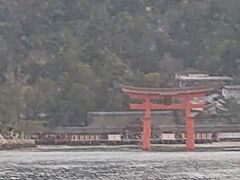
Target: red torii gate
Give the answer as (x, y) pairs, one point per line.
(183, 96)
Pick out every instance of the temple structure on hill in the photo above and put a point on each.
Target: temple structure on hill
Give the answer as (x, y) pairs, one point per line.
(231, 92)
(196, 79)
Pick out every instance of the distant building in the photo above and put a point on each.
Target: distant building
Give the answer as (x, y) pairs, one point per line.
(129, 119)
(197, 79)
(231, 92)
(161, 121)
(126, 127)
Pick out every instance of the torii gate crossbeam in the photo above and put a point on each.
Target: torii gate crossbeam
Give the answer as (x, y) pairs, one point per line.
(184, 97)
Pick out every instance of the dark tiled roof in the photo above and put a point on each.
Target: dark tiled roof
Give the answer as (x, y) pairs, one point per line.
(75, 130)
(165, 91)
(234, 87)
(123, 119)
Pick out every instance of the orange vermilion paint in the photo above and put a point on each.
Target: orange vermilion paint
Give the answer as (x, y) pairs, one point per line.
(185, 95)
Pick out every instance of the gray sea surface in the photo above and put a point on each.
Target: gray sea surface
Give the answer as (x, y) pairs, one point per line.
(71, 165)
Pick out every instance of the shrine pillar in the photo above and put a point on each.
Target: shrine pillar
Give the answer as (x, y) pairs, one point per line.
(190, 127)
(147, 126)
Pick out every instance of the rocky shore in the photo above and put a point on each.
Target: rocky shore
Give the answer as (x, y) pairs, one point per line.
(8, 144)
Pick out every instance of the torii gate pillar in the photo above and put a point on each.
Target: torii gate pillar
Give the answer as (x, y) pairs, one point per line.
(147, 126)
(190, 125)
(185, 95)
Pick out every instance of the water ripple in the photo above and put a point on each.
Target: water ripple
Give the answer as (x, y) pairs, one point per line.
(119, 165)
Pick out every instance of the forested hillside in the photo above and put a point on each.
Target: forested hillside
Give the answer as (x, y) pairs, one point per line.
(62, 58)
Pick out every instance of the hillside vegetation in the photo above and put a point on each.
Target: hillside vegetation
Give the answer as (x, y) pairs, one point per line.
(62, 58)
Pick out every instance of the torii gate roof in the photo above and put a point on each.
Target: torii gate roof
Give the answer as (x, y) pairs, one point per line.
(165, 91)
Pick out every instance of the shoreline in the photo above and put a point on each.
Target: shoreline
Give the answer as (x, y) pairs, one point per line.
(16, 146)
(11, 144)
(213, 147)
(217, 146)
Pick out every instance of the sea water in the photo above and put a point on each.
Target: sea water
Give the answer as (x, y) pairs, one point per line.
(29, 164)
